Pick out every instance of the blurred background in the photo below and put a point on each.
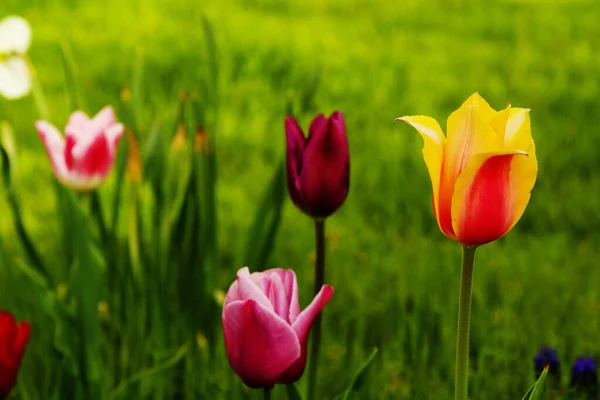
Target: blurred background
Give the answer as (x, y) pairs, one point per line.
(396, 276)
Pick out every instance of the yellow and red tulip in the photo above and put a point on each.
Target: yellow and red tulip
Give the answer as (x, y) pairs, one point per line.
(482, 172)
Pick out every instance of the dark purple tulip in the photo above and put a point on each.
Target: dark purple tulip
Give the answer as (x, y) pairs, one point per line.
(318, 167)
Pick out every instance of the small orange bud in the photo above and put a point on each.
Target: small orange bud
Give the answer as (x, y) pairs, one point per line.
(134, 165)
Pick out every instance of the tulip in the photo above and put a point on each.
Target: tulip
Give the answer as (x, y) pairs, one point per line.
(318, 167)
(15, 75)
(83, 159)
(482, 173)
(13, 340)
(265, 333)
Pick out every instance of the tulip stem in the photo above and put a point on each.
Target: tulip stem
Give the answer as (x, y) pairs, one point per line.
(461, 381)
(96, 206)
(316, 327)
(266, 394)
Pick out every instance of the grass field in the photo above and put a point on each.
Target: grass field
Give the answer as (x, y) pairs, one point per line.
(396, 276)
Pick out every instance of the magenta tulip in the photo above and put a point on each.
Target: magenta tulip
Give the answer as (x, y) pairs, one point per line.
(84, 157)
(266, 335)
(318, 167)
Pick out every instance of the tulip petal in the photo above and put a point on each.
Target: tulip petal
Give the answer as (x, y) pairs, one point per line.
(275, 292)
(15, 35)
(433, 151)
(325, 174)
(113, 135)
(302, 324)
(499, 121)
(55, 147)
(294, 149)
(302, 327)
(281, 288)
(15, 79)
(103, 120)
(518, 129)
(491, 195)
(78, 124)
(8, 331)
(317, 126)
(249, 290)
(260, 345)
(469, 132)
(92, 156)
(518, 136)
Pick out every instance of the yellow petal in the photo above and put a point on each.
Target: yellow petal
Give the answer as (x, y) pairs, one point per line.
(518, 129)
(518, 136)
(470, 132)
(491, 195)
(433, 150)
(500, 120)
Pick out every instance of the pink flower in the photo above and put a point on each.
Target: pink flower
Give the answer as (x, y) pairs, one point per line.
(83, 158)
(266, 335)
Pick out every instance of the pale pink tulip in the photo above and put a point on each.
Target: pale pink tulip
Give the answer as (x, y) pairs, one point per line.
(84, 157)
(266, 335)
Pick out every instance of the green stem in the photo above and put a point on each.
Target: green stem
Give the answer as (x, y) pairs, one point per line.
(99, 214)
(38, 93)
(461, 381)
(316, 327)
(266, 394)
(26, 241)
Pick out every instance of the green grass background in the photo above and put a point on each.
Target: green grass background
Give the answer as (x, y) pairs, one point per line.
(396, 276)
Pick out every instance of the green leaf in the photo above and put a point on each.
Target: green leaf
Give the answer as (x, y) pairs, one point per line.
(88, 287)
(7, 142)
(50, 304)
(359, 379)
(120, 169)
(76, 102)
(147, 373)
(263, 231)
(154, 154)
(136, 90)
(213, 63)
(536, 392)
(292, 392)
(9, 157)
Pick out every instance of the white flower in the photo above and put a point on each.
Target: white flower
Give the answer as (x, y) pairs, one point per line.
(15, 77)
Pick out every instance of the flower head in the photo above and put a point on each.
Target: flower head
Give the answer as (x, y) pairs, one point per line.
(318, 167)
(482, 172)
(584, 375)
(13, 340)
(266, 334)
(84, 157)
(546, 357)
(15, 77)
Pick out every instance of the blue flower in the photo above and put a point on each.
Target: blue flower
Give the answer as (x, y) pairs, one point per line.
(546, 356)
(584, 375)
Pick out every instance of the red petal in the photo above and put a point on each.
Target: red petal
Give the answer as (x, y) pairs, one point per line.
(95, 159)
